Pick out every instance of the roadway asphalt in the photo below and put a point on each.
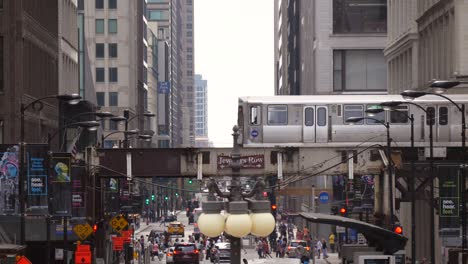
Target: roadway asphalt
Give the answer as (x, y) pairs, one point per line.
(249, 254)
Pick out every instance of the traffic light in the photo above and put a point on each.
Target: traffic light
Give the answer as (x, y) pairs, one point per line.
(334, 210)
(397, 229)
(265, 194)
(176, 194)
(95, 228)
(166, 198)
(273, 208)
(343, 211)
(152, 197)
(147, 201)
(190, 181)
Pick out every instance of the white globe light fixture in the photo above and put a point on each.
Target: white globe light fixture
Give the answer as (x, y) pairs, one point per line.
(238, 223)
(263, 222)
(211, 223)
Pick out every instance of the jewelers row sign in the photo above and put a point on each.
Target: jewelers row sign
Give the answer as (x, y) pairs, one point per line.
(247, 162)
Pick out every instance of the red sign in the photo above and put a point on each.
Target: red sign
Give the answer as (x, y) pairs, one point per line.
(83, 248)
(23, 260)
(127, 234)
(83, 257)
(247, 162)
(117, 243)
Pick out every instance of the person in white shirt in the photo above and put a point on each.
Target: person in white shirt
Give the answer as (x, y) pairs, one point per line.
(318, 246)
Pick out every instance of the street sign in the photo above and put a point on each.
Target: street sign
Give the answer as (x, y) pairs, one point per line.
(83, 257)
(324, 197)
(127, 234)
(254, 133)
(83, 231)
(164, 87)
(59, 254)
(340, 229)
(118, 223)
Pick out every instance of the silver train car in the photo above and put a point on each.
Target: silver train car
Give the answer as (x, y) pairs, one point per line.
(320, 121)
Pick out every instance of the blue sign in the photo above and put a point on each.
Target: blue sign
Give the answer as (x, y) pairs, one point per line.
(324, 197)
(164, 87)
(254, 133)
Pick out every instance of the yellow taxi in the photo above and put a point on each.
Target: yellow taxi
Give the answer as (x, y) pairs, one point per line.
(175, 228)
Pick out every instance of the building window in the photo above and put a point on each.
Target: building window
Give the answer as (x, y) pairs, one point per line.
(112, 26)
(189, 26)
(378, 116)
(99, 50)
(80, 4)
(1, 65)
(309, 116)
(359, 70)
(277, 115)
(430, 117)
(113, 50)
(112, 4)
(110, 144)
(113, 125)
(189, 49)
(155, 15)
(443, 115)
(99, 26)
(353, 111)
(321, 116)
(189, 2)
(189, 34)
(359, 16)
(113, 98)
(100, 98)
(99, 4)
(100, 74)
(189, 57)
(113, 75)
(189, 73)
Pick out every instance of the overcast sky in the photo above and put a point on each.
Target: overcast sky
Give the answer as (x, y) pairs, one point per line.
(234, 53)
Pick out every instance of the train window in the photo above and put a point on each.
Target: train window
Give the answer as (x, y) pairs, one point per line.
(353, 111)
(399, 115)
(321, 116)
(379, 116)
(443, 116)
(277, 115)
(309, 116)
(430, 112)
(255, 115)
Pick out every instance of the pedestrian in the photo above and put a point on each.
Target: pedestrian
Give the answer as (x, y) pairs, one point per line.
(283, 247)
(278, 248)
(259, 249)
(215, 255)
(318, 246)
(162, 221)
(302, 253)
(331, 241)
(324, 248)
(155, 251)
(266, 249)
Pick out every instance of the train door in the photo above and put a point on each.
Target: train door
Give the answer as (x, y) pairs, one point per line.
(308, 128)
(443, 128)
(315, 127)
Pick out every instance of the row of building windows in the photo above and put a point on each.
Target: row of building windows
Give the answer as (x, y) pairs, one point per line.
(351, 16)
(112, 4)
(113, 98)
(157, 15)
(111, 49)
(101, 73)
(111, 26)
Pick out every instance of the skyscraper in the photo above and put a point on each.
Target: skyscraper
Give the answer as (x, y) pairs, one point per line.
(201, 111)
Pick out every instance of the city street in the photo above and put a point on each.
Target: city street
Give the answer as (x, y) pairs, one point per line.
(249, 254)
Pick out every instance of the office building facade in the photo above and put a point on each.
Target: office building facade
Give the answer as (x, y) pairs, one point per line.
(201, 111)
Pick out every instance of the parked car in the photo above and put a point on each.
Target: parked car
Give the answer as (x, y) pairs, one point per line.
(186, 253)
(170, 255)
(224, 250)
(176, 228)
(292, 245)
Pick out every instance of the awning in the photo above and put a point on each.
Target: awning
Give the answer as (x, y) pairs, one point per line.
(376, 236)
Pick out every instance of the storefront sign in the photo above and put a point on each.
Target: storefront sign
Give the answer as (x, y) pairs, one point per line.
(247, 162)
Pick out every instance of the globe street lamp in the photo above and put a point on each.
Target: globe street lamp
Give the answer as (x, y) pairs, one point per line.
(71, 99)
(238, 222)
(441, 86)
(353, 120)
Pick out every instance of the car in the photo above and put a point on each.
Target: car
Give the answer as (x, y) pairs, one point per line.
(169, 255)
(176, 228)
(186, 253)
(153, 233)
(224, 250)
(170, 218)
(292, 245)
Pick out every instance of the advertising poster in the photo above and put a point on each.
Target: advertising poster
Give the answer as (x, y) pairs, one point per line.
(37, 175)
(449, 202)
(78, 184)
(9, 173)
(60, 184)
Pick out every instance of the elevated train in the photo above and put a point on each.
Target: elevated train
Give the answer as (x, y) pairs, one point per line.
(320, 121)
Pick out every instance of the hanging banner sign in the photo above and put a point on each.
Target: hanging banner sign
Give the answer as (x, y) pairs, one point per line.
(60, 181)
(9, 172)
(117, 243)
(247, 162)
(449, 195)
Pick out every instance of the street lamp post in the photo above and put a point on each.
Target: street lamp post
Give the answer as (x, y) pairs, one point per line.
(238, 223)
(440, 86)
(71, 99)
(127, 121)
(389, 156)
